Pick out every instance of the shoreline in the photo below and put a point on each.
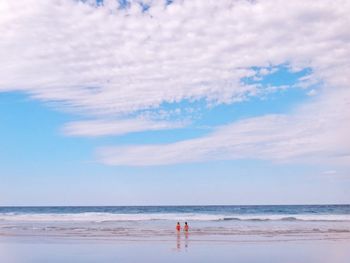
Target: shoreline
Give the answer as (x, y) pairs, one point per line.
(170, 236)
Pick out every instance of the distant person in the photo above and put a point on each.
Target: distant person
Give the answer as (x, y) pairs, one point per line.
(178, 227)
(186, 227)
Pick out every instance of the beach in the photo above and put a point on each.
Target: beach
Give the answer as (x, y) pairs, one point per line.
(139, 234)
(43, 249)
(174, 131)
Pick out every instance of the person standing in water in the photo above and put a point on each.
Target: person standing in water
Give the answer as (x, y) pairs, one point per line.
(186, 227)
(178, 227)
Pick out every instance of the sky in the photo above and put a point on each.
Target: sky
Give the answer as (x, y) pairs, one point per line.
(178, 102)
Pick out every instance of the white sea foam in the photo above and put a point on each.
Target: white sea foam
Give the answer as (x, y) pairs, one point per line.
(102, 217)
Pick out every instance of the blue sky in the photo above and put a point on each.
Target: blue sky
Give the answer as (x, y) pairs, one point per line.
(41, 166)
(104, 124)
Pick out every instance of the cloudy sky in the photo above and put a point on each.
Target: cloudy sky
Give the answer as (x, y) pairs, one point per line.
(174, 102)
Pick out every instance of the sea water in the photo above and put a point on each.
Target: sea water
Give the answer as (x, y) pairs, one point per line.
(211, 222)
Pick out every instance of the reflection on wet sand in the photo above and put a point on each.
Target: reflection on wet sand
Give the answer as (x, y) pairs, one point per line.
(181, 238)
(186, 240)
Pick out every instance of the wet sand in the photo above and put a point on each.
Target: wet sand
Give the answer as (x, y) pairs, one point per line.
(175, 248)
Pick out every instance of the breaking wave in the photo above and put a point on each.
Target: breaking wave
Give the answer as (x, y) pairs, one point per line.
(108, 217)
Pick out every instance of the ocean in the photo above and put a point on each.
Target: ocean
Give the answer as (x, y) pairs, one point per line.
(297, 233)
(152, 222)
(178, 213)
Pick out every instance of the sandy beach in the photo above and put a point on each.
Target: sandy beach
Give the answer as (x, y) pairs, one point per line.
(172, 249)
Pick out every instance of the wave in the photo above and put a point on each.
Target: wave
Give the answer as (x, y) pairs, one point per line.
(107, 217)
(305, 217)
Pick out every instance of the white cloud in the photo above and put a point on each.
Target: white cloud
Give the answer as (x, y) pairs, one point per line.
(110, 63)
(93, 128)
(312, 92)
(317, 132)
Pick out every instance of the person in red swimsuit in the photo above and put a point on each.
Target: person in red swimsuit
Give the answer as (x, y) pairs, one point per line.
(186, 227)
(178, 227)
